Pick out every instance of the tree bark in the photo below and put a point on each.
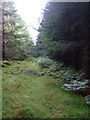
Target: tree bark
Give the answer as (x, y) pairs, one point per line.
(3, 34)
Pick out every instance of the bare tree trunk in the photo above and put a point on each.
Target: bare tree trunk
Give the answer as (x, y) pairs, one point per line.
(87, 53)
(3, 33)
(88, 23)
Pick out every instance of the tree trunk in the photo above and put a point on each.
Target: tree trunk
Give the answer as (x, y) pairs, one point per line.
(3, 34)
(87, 53)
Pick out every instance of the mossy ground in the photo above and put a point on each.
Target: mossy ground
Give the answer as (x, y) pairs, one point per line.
(28, 94)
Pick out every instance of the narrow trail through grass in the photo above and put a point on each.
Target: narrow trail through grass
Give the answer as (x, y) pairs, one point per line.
(28, 94)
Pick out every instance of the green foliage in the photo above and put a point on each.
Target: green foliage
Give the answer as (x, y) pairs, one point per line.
(50, 62)
(37, 96)
(57, 70)
(88, 99)
(16, 37)
(45, 62)
(5, 64)
(71, 79)
(63, 34)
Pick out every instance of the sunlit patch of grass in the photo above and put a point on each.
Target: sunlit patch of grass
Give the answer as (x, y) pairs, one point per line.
(27, 96)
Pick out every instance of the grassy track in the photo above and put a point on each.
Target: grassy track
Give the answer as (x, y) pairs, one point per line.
(27, 94)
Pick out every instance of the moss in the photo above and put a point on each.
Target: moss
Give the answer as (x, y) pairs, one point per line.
(38, 96)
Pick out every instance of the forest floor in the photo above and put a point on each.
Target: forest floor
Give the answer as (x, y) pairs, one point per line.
(26, 93)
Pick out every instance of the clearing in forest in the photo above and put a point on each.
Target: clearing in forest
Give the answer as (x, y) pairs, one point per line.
(29, 93)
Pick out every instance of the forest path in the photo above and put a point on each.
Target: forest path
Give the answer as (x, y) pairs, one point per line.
(29, 94)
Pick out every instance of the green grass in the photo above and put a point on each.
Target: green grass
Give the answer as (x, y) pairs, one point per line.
(37, 96)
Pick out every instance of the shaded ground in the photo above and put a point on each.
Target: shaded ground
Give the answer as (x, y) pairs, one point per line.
(29, 94)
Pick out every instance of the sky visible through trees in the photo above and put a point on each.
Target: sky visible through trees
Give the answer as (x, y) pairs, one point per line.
(31, 11)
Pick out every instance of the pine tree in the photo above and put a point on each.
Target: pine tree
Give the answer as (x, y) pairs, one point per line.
(15, 32)
(64, 33)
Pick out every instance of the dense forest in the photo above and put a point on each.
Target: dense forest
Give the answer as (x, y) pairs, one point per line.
(64, 33)
(52, 78)
(15, 35)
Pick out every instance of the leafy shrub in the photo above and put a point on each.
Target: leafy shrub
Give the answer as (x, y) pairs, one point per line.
(75, 85)
(56, 69)
(87, 98)
(0, 64)
(5, 63)
(49, 63)
(45, 62)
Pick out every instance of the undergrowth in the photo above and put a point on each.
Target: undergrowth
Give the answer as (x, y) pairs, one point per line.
(31, 90)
